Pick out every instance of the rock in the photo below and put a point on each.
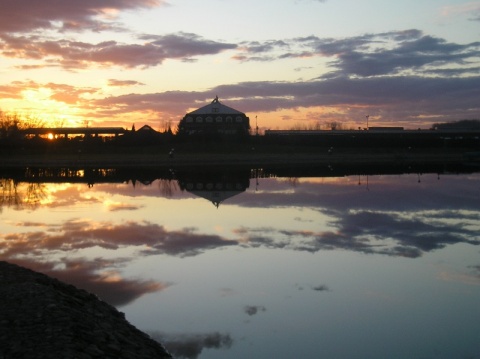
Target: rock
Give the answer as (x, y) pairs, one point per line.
(41, 317)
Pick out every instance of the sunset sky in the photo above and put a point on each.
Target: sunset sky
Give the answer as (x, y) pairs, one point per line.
(285, 63)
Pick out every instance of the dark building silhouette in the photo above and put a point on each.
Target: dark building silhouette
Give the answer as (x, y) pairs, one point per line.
(215, 118)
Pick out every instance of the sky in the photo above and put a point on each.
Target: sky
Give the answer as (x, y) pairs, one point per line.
(287, 64)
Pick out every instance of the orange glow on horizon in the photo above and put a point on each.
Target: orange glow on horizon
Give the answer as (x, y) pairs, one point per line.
(53, 113)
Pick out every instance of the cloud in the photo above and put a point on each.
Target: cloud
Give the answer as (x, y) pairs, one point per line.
(469, 9)
(469, 277)
(404, 98)
(19, 40)
(79, 234)
(254, 309)
(123, 83)
(100, 275)
(191, 345)
(68, 94)
(95, 277)
(185, 45)
(321, 288)
(412, 55)
(407, 97)
(369, 232)
(52, 91)
(389, 53)
(398, 221)
(475, 273)
(72, 55)
(256, 47)
(114, 207)
(28, 15)
(401, 77)
(418, 233)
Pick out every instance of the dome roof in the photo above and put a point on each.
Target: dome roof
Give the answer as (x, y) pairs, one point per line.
(216, 107)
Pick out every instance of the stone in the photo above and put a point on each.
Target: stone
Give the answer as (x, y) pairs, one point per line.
(41, 317)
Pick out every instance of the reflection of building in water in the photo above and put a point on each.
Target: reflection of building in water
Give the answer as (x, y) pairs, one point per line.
(86, 175)
(215, 186)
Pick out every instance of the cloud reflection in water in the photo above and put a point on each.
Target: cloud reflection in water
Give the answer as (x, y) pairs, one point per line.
(396, 218)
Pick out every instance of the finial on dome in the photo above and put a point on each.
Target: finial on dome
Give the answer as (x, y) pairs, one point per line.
(215, 100)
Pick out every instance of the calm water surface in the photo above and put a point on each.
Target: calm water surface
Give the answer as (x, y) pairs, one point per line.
(378, 266)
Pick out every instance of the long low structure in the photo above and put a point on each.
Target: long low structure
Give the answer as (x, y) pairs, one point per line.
(384, 138)
(372, 130)
(65, 131)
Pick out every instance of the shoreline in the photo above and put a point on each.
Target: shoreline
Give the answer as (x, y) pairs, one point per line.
(253, 159)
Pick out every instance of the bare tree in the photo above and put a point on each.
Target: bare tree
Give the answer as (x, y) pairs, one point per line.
(10, 122)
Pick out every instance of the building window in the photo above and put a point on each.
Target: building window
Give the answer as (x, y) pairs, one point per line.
(199, 119)
(209, 119)
(215, 109)
(219, 119)
(238, 119)
(189, 119)
(229, 119)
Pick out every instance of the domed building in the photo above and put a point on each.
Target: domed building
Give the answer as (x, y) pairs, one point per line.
(215, 118)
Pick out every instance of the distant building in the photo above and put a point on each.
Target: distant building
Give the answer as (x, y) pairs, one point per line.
(215, 118)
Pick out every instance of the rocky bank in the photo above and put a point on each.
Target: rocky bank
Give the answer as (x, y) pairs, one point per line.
(41, 317)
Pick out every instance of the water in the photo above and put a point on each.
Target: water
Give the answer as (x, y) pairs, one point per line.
(264, 264)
